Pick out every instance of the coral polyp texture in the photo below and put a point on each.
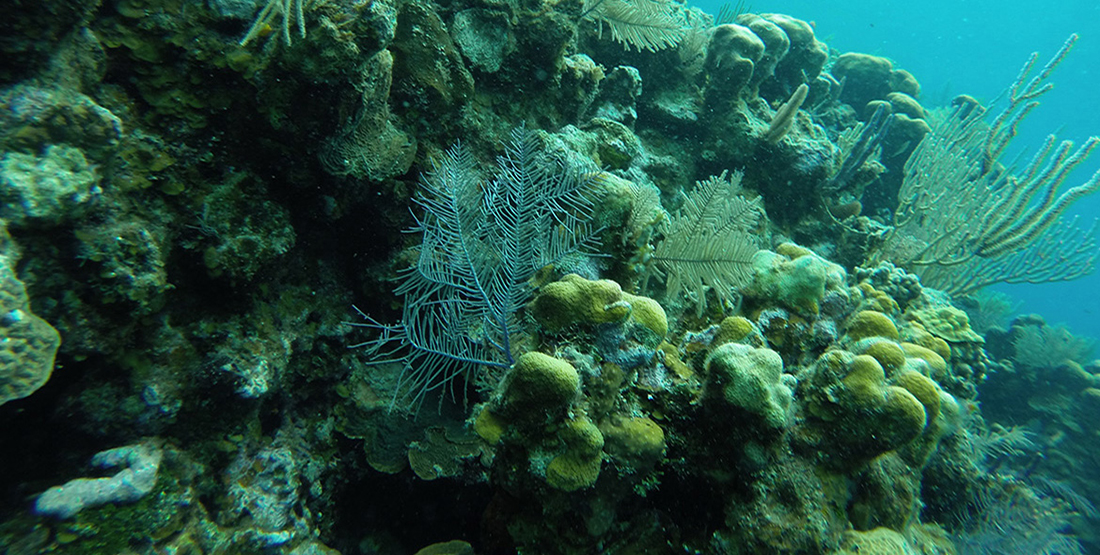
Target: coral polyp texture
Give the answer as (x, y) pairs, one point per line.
(29, 345)
(554, 278)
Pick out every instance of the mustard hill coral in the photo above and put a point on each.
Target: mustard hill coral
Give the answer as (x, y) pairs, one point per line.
(857, 409)
(570, 472)
(937, 366)
(947, 322)
(574, 300)
(888, 353)
(733, 330)
(637, 441)
(579, 466)
(869, 323)
(539, 383)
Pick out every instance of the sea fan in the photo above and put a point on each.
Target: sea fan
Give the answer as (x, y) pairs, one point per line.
(710, 240)
(644, 24)
(483, 240)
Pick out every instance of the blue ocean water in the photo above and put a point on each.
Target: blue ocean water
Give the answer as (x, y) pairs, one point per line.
(977, 47)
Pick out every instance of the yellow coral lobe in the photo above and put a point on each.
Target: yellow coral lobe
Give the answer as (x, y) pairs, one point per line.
(903, 417)
(637, 440)
(948, 323)
(648, 313)
(575, 300)
(489, 426)
(673, 361)
(732, 330)
(570, 472)
(582, 437)
(888, 353)
(539, 380)
(924, 389)
(936, 363)
(869, 323)
(792, 250)
(864, 382)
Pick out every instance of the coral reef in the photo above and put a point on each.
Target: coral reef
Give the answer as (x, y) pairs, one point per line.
(633, 278)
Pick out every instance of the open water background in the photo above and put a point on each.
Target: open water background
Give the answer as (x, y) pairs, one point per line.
(977, 47)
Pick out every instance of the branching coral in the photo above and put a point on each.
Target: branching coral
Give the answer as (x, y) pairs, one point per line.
(965, 221)
(292, 13)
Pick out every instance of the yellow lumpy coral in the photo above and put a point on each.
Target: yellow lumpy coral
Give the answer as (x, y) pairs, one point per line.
(936, 363)
(648, 313)
(863, 384)
(569, 472)
(579, 466)
(923, 388)
(489, 426)
(869, 323)
(732, 330)
(575, 300)
(878, 300)
(948, 323)
(540, 382)
(888, 353)
(865, 416)
(638, 441)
